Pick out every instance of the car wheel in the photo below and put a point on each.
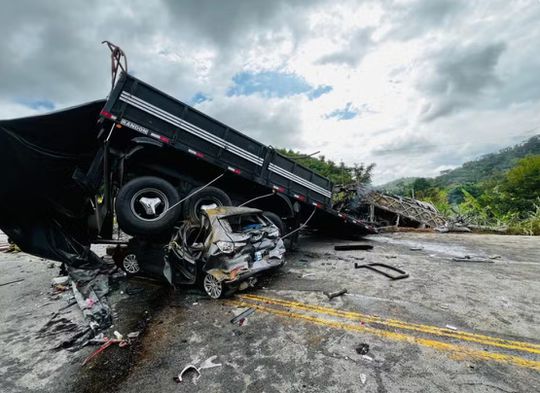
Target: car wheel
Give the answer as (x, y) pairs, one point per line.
(130, 264)
(216, 289)
(142, 206)
(210, 195)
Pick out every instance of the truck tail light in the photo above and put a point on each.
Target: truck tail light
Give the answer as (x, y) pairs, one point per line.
(196, 153)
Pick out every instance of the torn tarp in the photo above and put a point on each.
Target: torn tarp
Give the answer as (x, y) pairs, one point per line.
(42, 209)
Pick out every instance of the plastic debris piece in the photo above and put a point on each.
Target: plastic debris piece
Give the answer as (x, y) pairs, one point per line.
(451, 327)
(307, 275)
(367, 357)
(133, 334)
(118, 335)
(362, 349)
(363, 379)
(416, 248)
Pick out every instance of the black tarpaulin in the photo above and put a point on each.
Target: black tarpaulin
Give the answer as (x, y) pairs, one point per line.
(42, 209)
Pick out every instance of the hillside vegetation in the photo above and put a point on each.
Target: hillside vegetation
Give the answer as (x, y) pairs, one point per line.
(498, 189)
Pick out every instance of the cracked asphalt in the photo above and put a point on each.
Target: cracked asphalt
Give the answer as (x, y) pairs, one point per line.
(450, 327)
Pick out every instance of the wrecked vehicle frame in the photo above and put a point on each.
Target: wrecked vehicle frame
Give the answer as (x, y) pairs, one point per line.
(223, 253)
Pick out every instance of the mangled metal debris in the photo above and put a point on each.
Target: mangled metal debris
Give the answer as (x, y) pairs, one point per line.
(372, 266)
(385, 210)
(225, 251)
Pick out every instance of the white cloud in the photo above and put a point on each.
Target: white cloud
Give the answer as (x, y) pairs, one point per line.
(434, 82)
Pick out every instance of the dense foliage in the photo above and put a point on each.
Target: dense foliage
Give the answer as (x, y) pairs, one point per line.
(499, 189)
(337, 173)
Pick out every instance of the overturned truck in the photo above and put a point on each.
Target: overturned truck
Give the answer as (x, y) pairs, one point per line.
(149, 162)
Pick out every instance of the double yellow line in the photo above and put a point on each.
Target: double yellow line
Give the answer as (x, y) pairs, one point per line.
(260, 303)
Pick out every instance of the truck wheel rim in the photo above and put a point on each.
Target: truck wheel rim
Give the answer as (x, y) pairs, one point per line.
(205, 202)
(212, 286)
(131, 265)
(149, 204)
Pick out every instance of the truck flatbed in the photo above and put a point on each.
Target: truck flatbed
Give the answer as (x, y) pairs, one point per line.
(143, 108)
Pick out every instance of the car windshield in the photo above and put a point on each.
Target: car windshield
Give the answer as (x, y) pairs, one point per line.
(243, 223)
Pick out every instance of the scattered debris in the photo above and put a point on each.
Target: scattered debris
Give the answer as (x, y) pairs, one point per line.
(468, 258)
(12, 282)
(390, 256)
(362, 349)
(133, 335)
(240, 318)
(332, 295)
(367, 357)
(307, 275)
(416, 248)
(451, 327)
(107, 343)
(349, 247)
(60, 280)
(196, 377)
(208, 363)
(371, 266)
(363, 379)
(495, 257)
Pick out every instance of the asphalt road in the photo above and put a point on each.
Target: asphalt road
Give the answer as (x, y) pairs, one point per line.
(450, 327)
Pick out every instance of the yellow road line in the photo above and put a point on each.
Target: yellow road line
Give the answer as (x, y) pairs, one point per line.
(355, 316)
(438, 345)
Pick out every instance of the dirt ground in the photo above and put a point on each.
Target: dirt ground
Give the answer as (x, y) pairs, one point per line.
(450, 327)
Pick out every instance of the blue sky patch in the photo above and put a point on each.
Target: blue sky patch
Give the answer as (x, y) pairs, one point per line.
(271, 84)
(37, 104)
(268, 84)
(198, 98)
(319, 91)
(346, 113)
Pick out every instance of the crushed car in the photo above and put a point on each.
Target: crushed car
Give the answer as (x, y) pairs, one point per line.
(224, 252)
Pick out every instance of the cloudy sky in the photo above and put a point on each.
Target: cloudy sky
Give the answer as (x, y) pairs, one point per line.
(414, 86)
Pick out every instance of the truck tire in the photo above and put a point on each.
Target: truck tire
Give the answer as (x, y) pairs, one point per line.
(142, 206)
(192, 207)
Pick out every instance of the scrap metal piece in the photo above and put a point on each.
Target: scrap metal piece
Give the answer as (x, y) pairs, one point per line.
(467, 258)
(209, 363)
(332, 295)
(187, 368)
(243, 315)
(11, 282)
(348, 247)
(371, 266)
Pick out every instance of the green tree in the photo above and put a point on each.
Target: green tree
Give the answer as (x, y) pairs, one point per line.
(522, 184)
